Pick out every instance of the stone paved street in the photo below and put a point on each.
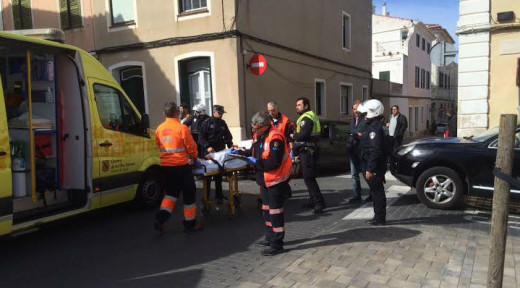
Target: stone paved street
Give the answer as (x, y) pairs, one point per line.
(419, 247)
(117, 247)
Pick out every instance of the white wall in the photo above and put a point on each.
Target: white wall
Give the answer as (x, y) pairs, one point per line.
(395, 66)
(473, 72)
(387, 39)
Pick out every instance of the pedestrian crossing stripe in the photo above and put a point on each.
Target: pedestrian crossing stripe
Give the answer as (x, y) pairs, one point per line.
(393, 193)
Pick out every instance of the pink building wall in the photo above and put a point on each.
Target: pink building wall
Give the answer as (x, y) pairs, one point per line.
(45, 14)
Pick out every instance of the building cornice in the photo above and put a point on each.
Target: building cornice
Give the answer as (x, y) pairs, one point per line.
(217, 36)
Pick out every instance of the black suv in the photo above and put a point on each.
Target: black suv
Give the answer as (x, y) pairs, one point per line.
(442, 170)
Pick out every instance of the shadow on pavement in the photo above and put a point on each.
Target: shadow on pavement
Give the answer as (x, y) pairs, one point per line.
(453, 219)
(182, 279)
(379, 234)
(118, 247)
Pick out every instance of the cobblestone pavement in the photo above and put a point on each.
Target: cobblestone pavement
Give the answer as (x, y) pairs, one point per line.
(117, 247)
(419, 247)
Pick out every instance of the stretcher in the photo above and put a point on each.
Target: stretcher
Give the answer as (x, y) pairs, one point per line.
(231, 173)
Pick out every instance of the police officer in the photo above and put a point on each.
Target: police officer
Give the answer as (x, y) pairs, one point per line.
(194, 123)
(308, 130)
(176, 145)
(214, 135)
(273, 164)
(373, 158)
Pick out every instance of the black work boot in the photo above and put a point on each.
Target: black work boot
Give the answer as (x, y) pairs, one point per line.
(376, 222)
(271, 251)
(262, 243)
(318, 208)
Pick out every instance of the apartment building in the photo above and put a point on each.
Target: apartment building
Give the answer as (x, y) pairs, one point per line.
(401, 54)
(444, 74)
(489, 50)
(199, 51)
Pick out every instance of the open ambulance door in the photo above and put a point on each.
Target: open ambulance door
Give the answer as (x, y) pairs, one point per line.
(6, 187)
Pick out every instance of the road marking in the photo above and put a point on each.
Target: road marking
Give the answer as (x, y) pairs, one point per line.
(393, 193)
(388, 176)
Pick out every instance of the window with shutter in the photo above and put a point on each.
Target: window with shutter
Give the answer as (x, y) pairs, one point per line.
(22, 15)
(122, 12)
(70, 14)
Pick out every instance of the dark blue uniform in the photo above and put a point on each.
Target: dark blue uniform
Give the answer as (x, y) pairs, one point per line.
(215, 133)
(373, 159)
(353, 149)
(194, 123)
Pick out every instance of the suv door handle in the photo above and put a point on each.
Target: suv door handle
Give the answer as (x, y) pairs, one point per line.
(3, 153)
(106, 144)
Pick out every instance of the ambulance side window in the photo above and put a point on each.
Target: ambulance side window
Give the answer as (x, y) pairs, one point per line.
(115, 112)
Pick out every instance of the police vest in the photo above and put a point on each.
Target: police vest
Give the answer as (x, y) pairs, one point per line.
(282, 123)
(316, 127)
(282, 173)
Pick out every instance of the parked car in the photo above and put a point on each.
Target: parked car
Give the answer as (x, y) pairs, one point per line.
(441, 128)
(333, 155)
(443, 170)
(333, 145)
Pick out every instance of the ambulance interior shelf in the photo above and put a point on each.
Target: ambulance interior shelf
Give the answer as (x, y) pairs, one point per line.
(35, 80)
(42, 85)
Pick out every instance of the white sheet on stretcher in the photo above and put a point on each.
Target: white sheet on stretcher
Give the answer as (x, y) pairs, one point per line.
(224, 159)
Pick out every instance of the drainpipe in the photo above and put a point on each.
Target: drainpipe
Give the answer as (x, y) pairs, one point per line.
(244, 84)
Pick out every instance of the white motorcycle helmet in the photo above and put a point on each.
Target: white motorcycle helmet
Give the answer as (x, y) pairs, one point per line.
(200, 108)
(372, 107)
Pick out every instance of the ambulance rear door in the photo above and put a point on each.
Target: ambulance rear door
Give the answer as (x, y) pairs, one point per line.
(6, 188)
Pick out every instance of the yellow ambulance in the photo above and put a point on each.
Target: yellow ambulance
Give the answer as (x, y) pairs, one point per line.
(71, 140)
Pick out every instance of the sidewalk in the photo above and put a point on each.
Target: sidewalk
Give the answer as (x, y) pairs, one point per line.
(419, 247)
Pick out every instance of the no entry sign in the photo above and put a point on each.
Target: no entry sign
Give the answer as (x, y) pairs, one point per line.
(257, 64)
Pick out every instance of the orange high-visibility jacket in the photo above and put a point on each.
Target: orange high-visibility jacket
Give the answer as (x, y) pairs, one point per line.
(282, 173)
(175, 143)
(284, 120)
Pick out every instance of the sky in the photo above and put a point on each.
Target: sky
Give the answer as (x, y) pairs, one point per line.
(443, 12)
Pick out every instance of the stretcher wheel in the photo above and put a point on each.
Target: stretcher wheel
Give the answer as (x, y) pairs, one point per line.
(205, 210)
(233, 216)
(237, 200)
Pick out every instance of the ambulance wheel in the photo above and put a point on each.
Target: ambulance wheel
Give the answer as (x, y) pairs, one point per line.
(150, 192)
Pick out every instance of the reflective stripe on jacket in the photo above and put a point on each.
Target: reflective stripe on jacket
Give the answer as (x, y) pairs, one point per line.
(316, 127)
(280, 174)
(175, 143)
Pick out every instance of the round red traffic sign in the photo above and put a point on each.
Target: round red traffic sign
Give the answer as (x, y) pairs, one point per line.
(257, 64)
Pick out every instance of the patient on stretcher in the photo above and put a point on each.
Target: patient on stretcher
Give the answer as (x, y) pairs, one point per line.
(225, 159)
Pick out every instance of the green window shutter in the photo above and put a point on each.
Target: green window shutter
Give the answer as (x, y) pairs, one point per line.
(75, 14)
(26, 14)
(64, 15)
(17, 19)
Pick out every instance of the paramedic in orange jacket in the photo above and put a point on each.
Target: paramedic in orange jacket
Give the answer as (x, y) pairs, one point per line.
(280, 121)
(273, 166)
(176, 145)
